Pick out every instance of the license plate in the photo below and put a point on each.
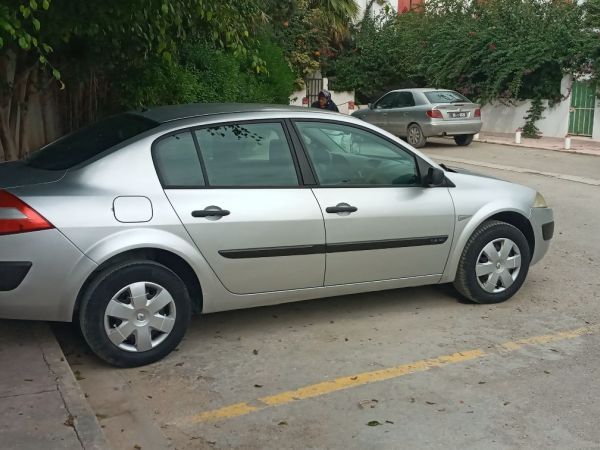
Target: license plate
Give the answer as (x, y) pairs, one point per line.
(459, 115)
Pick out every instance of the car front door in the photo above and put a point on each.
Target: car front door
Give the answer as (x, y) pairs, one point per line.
(381, 222)
(398, 116)
(235, 188)
(378, 114)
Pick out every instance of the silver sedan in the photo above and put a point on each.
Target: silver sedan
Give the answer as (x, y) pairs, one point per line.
(416, 114)
(128, 226)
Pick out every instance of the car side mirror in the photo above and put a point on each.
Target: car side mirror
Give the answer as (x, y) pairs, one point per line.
(435, 177)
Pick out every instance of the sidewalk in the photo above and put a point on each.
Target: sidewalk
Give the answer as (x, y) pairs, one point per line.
(578, 145)
(41, 404)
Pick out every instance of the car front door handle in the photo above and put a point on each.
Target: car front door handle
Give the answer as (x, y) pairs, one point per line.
(341, 208)
(211, 212)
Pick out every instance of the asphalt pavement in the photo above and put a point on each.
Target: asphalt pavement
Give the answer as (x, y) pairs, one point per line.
(410, 368)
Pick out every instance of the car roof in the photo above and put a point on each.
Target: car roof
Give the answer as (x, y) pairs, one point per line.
(421, 90)
(163, 114)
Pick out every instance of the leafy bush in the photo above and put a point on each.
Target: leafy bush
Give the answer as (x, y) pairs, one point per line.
(204, 73)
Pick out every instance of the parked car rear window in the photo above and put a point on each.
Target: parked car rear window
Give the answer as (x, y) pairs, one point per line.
(445, 97)
(88, 142)
(177, 161)
(254, 154)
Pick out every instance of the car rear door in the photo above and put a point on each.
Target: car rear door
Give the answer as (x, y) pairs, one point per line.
(380, 222)
(236, 189)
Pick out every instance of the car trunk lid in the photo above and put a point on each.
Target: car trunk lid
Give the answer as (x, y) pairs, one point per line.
(457, 111)
(18, 173)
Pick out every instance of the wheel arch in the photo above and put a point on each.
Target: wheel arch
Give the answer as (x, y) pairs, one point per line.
(167, 258)
(511, 216)
(519, 221)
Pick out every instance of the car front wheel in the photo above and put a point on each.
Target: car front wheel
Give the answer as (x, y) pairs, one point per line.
(494, 263)
(135, 313)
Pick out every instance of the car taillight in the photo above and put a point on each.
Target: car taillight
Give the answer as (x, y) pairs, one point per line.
(477, 113)
(18, 217)
(435, 114)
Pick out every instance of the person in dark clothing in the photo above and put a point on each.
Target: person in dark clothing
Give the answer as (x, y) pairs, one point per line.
(324, 102)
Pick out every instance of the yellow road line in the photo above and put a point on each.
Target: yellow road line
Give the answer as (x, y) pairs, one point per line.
(338, 384)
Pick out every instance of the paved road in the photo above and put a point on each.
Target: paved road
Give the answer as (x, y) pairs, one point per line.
(410, 368)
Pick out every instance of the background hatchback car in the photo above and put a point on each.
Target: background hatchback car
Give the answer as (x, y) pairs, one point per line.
(129, 225)
(416, 114)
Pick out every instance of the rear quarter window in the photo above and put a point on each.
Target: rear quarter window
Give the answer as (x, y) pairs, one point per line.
(177, 161)
(89, 142)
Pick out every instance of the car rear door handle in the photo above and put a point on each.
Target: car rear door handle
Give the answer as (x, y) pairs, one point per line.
(341, 208)
(211, 212)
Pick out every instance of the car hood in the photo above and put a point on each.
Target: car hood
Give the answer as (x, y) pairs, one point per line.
(467, 172)
(18, 173)
(473, 191)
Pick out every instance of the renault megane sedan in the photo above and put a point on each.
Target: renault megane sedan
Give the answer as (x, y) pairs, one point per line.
(128, 226)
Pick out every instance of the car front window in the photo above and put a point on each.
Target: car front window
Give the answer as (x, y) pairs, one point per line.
(387, 101)
(365, 159)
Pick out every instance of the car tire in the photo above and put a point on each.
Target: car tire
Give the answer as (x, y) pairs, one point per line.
(463, 140)
(126, 332)
(414, 136)
(494, 263)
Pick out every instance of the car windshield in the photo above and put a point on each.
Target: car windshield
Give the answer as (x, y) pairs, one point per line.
(445, 97)
(89, 142)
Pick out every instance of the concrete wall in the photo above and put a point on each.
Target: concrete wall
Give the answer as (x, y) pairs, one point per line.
(500, 118)
(296, 97)
(596, 130)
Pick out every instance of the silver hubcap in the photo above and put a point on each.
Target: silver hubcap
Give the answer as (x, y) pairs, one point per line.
(498, 265)
(414, 135)
(140, 317)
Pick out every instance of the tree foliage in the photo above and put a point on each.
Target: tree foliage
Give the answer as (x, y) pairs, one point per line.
(494, 49)
(89, 45)
(310, 31)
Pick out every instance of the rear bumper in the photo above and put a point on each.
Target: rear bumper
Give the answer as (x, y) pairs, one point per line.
(12, 274)
(542, 222)
(451, 128)
(49, 287)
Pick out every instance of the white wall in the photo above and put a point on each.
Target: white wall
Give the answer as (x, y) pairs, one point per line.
(500, 118)
(596, 129)
(297, 96)
(376, 8)
(341, 99)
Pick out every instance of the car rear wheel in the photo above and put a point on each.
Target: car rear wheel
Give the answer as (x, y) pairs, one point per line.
(494, 263)
(135, 313)
(414, 136)
(463, 139)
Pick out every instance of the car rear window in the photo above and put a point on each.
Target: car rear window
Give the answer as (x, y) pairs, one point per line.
(88, 142)
(445, 97)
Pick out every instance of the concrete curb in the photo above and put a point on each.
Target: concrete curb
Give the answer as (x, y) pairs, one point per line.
(85, 422)
(486, 140)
